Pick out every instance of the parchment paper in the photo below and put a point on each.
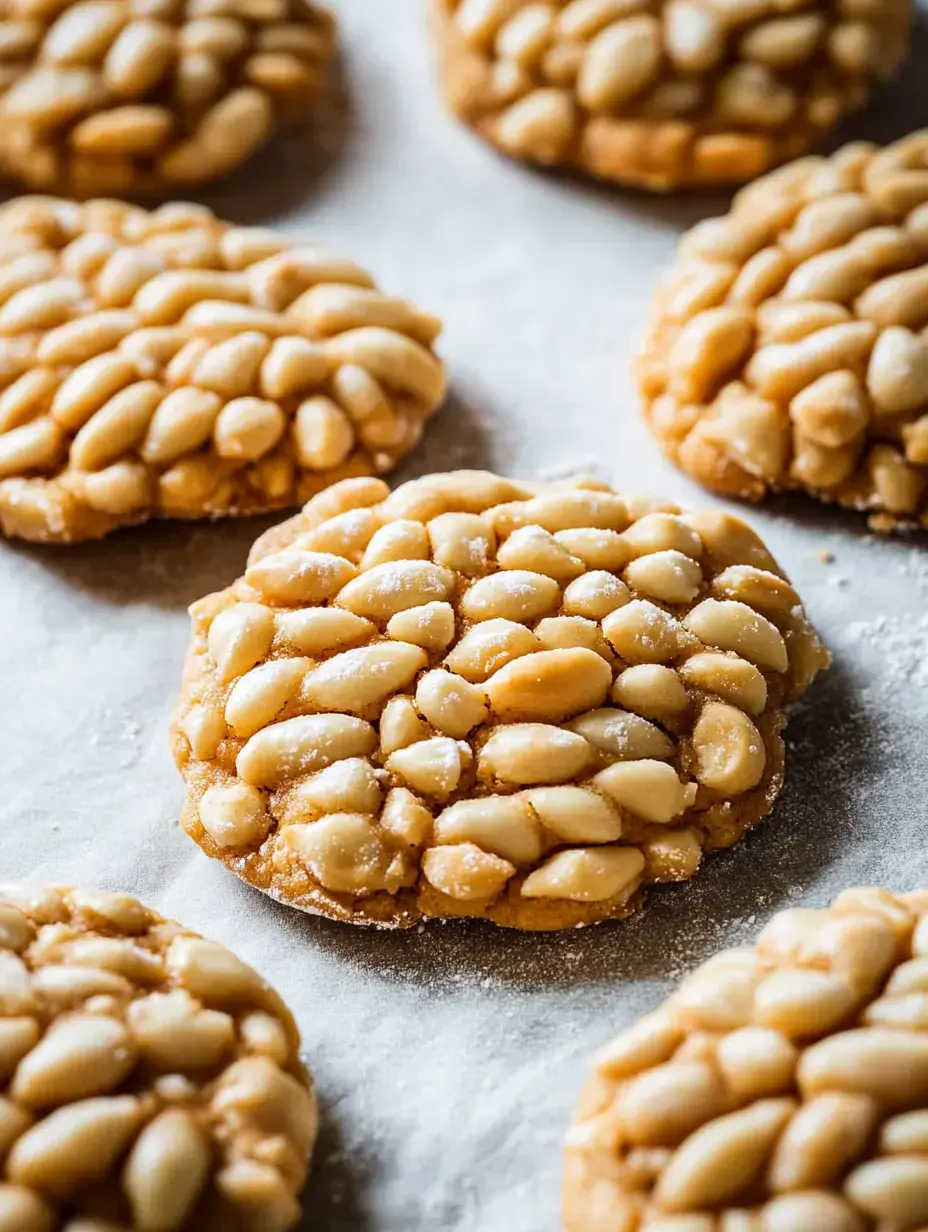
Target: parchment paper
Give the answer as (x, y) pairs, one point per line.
(448, 1058)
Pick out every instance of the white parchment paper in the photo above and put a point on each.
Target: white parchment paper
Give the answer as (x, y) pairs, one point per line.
(448, 1058)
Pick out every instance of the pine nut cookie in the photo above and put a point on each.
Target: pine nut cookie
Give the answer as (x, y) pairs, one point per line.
(135, 97)
(787, 347)
(168, 364)
(663, 94)
(782, 1088)
(151, 1080)
(481, 697)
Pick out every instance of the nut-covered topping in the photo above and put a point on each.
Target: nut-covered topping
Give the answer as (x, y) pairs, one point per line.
(663, 93)
(106, 97)
(169, 364)
(133, 1095)
(784, 349)
(783, 1086)
(446, 701)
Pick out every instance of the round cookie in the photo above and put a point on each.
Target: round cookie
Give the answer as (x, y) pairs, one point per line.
(663, 94)
(782, 1088)
(481, 697)
(786, 347)
(135, 97)
(169, 364)
(150, 1079)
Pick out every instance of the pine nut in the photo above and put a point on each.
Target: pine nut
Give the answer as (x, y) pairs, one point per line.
(384, 590)
(514, 594)
(343, 852)
(525, 753)
(234, 816)
(166, 1170)
(296, 576)
(730, 625)
(432, 767)
(549, 686)
(731, 678)
(488, 646)
(501, 825)
(301, 746)
(649, 789)
(466, 872)
(640, 632)
(361, 680)
(575, 814)
(730, 755)
(623, 736)
(586, 875)
(239, 638)
(652, 691)
(82, 1056)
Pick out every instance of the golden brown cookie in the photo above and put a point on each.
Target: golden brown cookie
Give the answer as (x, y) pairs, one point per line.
(663, 93)
(134, 97)
(786, 348)
(481, 697)
(151, 1080)
(782, 1088)
(168, 364)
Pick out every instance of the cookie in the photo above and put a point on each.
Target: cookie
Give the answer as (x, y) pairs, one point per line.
(168, 364)
(786, 349)
(119, 97)
(663, 94)
(481, 697)
(782, 1088)
(151, 1080)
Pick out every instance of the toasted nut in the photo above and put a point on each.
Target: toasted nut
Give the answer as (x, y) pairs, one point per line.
(138, 1087)
(533, 753)
(730, 756)
(731, 625)
(422, 720)
(466, 872)
(234, 816)
(586, 875)
(649, 789)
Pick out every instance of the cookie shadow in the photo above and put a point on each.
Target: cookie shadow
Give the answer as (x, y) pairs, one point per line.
(337, 1180)
(729, 900)
(161, 564)
(286, 173)
(897, 107)
(170, 564)
(458, 437)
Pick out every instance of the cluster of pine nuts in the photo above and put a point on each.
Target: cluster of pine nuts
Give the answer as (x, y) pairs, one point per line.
(116, 97)
(782, 1088)
(788, 347)
(150, 1079)
(663, 93)
(475, 696)
(168, 364)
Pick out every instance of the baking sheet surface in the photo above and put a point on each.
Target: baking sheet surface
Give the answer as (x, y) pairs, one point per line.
(448, 1058)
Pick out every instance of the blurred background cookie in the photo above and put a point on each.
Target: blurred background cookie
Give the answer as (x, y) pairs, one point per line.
(125, 98)
(781, 1088)
(150, 1078)
(481, 697)
(663, 93)
(169, 364)
(786, 347)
